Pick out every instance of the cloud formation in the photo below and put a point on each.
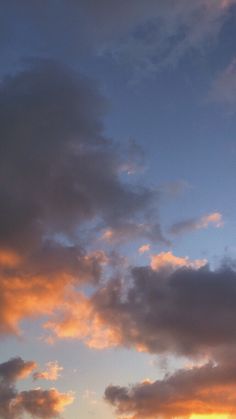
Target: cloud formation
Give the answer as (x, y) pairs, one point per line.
(37, 402)
(215, 219)
(60, 186)
(15, 369)
(51, 373)
(209, 389)
(178, 306)
(168, 261)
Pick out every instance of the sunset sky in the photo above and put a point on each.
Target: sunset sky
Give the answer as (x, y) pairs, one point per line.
(117, 204)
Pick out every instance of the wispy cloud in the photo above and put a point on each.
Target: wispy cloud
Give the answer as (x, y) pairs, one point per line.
(223, 89)
(214, 219)
(170, 30)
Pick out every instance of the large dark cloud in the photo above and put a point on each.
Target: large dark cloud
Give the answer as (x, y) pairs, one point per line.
(186, 311)
(57, 169)
(37, 402)
(61, 184)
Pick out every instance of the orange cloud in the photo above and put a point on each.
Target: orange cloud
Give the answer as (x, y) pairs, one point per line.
(202, 392)
(9, 258)
(166, 260)
(143, 249)
(78, 319)
(215, 218)
(36, 285)
(51, 373)
(43, 403)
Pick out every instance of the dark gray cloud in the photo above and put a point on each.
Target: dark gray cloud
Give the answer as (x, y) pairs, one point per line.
(15, 369)
(37, 402)
(187, 311)
(206, 389)
(57, 169)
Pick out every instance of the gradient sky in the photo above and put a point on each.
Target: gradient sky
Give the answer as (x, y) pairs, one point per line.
(117, 203)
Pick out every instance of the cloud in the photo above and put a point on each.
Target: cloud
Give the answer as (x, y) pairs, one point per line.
(215, 219)
(166, 32)
(144, 248)
(168, 261)
(51, 373)
(132, 231)
(15, 369)
(143, 36)
(79, 319)
(209, 389)
(61, 187)
(42, 403)
(178, 307)
(37, 402)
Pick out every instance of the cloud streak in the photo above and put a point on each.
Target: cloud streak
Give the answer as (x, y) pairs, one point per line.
(214, 219)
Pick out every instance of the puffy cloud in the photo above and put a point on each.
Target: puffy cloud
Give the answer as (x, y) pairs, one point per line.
(53, 152)
(37, 402)
(209, 389)
(144, 248)
(42, 403)
(61, 185)
(51, 373)
(180, 307)
(78, 318)
(215, 219)
(15, 369)
(170, 262)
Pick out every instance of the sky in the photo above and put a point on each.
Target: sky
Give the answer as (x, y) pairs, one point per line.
(117, 203)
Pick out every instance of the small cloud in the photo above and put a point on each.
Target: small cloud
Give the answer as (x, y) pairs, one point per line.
(144, 249)
(214, 219)
(166, 260)
(51, 373)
